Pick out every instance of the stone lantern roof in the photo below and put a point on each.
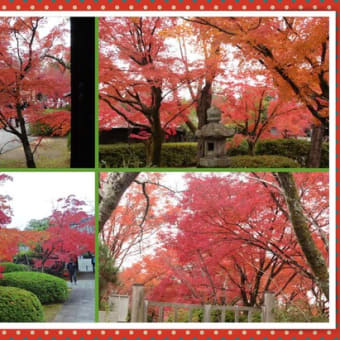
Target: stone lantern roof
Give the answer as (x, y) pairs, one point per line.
(214, 129)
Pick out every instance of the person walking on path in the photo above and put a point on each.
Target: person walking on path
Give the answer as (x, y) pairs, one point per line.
(93, 261)
(71, 268)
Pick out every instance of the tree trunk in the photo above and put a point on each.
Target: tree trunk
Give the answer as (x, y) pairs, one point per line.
(111, 192)
(24, 139)
(191, 126)
(314, 157)
(204, 103)
(148, 144)
(302, 232)
(156, 127)
(28, 153)
(251, 148)
(156, 143)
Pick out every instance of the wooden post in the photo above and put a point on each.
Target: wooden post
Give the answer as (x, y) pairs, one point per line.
(206, 313)
(190, 314)
(250, 315)
(237, 314)
(137, 304)
(223, 315)
(175, 314)
(269, 301)
(146, 303)
(161, 314)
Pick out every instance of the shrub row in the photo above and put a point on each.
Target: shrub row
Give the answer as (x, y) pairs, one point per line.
(133, 155)
(262, 162)
(14, 267)
(48, 288)
(19, 305)
(294, 151)
(293, 148)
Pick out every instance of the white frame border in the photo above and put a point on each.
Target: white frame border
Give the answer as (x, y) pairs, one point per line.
(332, 175)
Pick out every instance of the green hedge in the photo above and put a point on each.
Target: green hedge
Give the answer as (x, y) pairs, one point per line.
(19, 305)
(133, 155)
(262, 162)
(184, 154)
(122, 155)
(40, 129)
(179, 155)
(239, 150)
(293, 148)
(48, 288)
(14, 267)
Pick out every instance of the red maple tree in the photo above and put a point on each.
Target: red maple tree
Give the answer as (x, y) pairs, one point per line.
(138, 79)
(258, 112)
(230, 239)
(294, 50)
(28, 83)
(70, 233)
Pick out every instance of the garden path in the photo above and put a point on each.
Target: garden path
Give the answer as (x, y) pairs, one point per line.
(9, 142)
(80, 306)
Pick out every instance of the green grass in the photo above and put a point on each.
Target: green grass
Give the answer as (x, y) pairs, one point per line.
(52, 153)
(51, 311)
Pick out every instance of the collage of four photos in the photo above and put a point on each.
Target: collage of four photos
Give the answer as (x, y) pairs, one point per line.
(168, 169)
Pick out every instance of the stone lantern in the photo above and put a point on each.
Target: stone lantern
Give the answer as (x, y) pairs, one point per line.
(213, 136)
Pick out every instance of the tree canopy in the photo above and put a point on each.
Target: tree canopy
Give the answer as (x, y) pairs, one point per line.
(224, 238)
(35, 76)
(155, 72)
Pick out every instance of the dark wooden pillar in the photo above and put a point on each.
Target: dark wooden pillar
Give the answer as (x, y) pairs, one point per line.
(83, 92)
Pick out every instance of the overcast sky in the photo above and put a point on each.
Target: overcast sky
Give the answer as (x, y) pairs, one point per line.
(34, 193)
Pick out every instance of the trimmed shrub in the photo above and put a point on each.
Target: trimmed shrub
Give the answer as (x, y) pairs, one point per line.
(262, 162)
(296, 149)
(48, 288)
(184, 154)
(133, 155)
(14, 267)
(40, 129)
(179, 155)
(122, 155)
(239, 150)
(19, 305)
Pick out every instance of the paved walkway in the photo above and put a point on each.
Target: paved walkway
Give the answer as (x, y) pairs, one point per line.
(80, 306)
(8, 141)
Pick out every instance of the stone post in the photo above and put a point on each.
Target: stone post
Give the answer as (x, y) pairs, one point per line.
(269, 302)
(137, 303)
(206, 313)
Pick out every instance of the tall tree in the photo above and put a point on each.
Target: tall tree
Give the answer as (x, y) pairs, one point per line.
(26, 77)
(135, 222)
(112, 188)
(295, 50)
(205, 69)
(139, 80)
(70, 232)
(38, 225)
(257, 110)
(220, 216)
(303, 232)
